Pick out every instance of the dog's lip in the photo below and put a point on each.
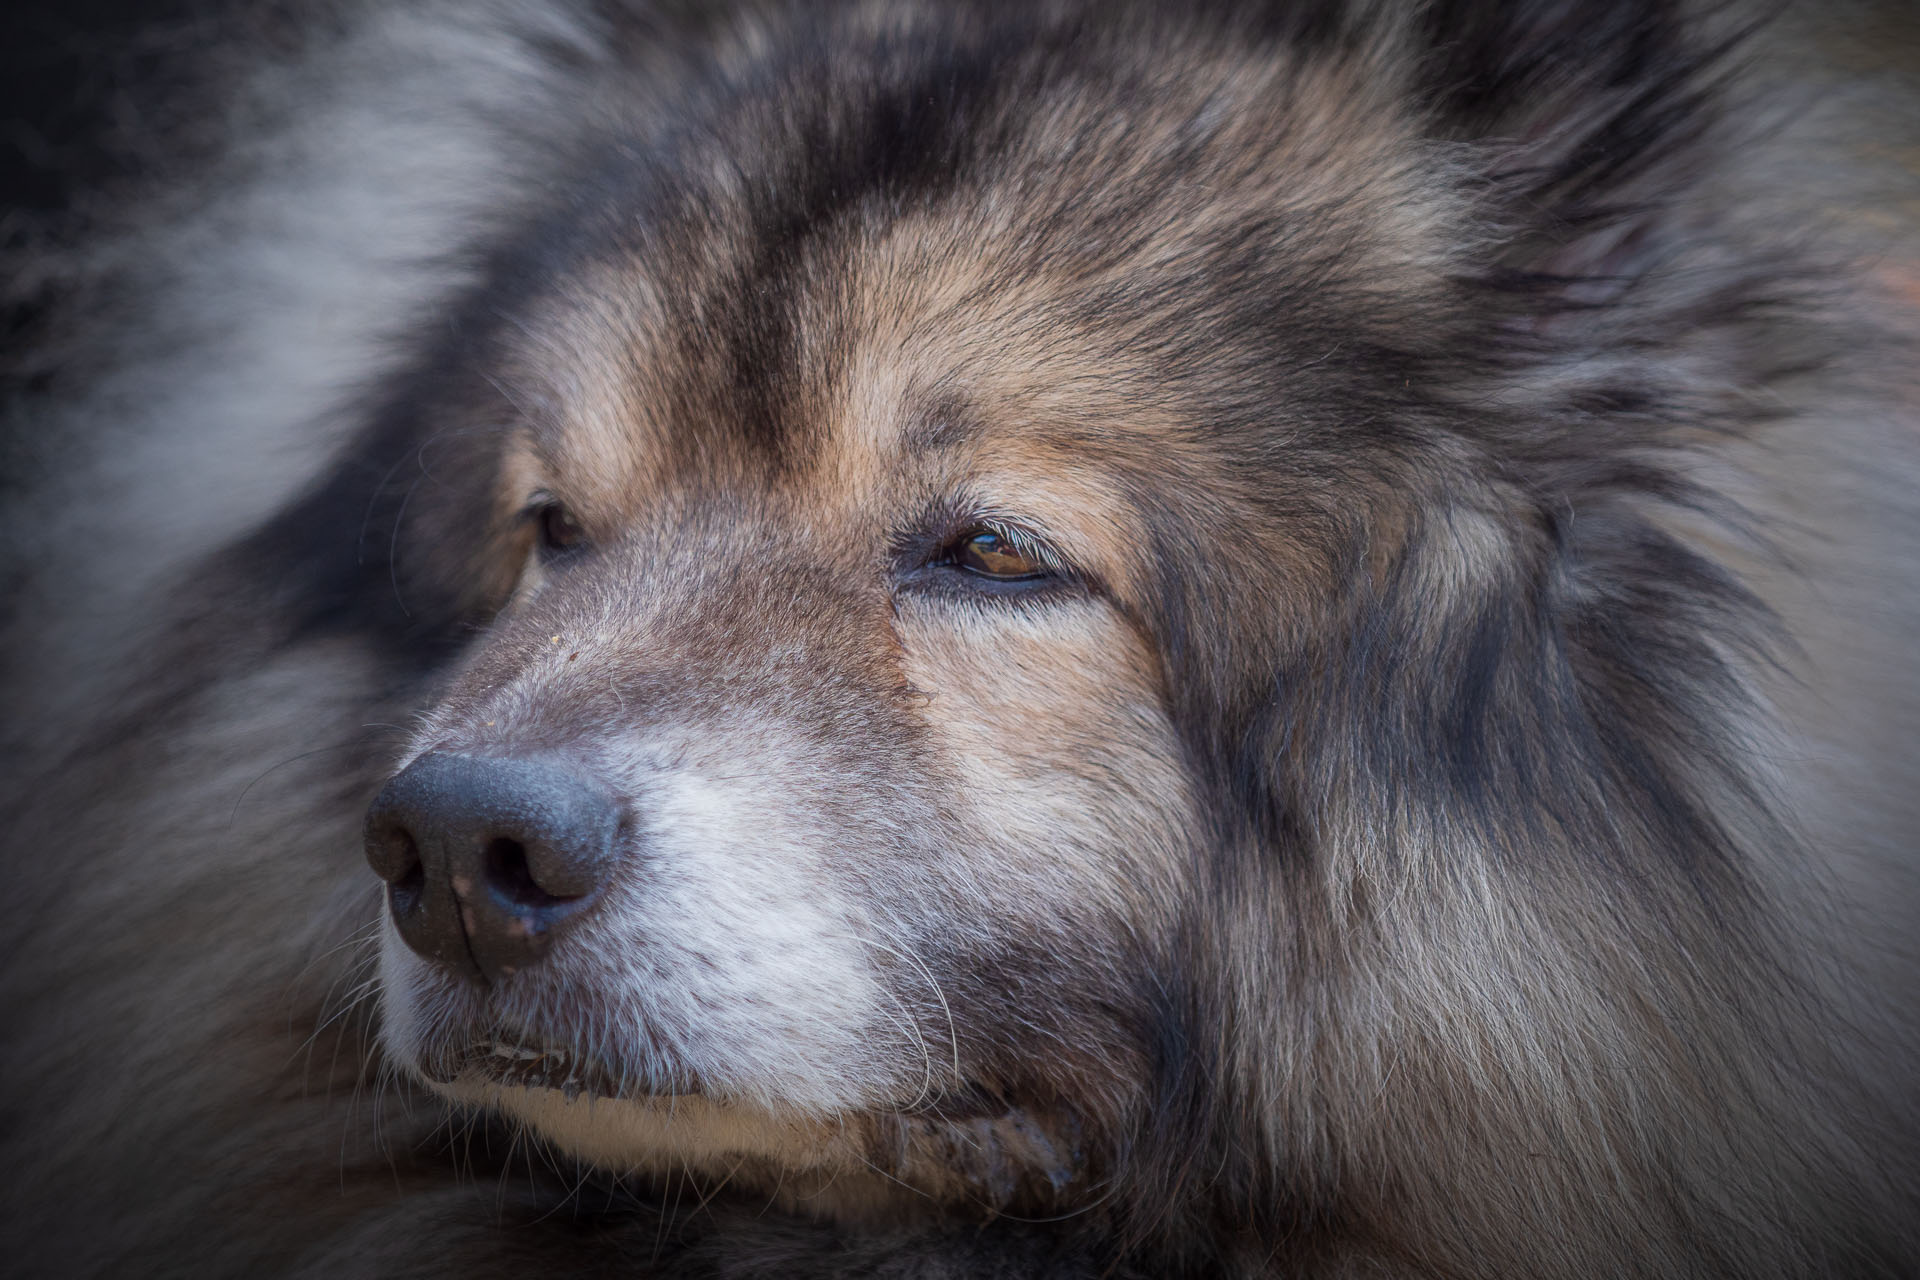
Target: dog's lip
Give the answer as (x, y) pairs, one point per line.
(518, 1062)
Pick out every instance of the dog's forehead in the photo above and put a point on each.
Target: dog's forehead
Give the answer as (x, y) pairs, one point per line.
(862, 333)
(893, 368)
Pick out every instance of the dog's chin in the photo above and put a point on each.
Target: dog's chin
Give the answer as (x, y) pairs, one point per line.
(882, 1167)
(635, 1131)
(627, 1120)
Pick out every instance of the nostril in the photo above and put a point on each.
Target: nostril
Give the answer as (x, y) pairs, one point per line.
(404, 894)
(395, 856)
(510, 875)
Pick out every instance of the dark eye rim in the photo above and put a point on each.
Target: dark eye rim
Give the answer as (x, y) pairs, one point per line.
(929, 561)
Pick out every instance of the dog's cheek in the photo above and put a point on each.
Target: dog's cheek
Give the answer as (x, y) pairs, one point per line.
(1062, 760)
(758, 953)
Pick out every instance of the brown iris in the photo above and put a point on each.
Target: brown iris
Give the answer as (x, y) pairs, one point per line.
(559, 531)
(992, 555)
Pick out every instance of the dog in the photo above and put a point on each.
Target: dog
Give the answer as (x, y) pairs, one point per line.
(951, 639)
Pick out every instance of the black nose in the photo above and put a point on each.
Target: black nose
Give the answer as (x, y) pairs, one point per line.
(488, 860)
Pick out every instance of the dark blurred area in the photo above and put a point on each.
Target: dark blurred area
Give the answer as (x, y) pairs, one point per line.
(73, 75)
(94, 98)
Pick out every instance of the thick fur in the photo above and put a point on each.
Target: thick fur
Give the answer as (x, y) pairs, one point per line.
(1447, 811)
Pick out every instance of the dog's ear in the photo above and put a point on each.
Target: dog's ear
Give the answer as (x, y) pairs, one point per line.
(1492, 58)
(1587, 85)
(1587, 118)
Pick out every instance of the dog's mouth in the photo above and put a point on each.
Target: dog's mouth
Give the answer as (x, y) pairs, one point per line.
(507, 1061)
(511, 1062)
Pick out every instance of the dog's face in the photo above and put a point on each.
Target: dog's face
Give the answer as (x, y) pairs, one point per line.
(888, 746)
(858, 582)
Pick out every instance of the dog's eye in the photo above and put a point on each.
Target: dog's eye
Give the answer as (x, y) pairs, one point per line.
(993, 555)
(560, 533)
